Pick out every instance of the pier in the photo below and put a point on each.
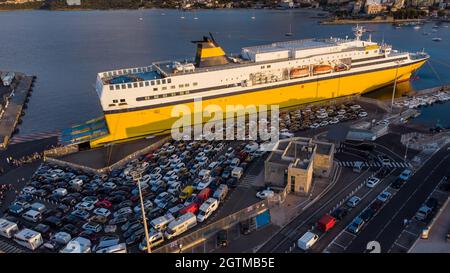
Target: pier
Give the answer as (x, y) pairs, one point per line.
(14, 102)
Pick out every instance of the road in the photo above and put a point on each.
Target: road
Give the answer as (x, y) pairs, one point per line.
(387, 225)
(285, 239)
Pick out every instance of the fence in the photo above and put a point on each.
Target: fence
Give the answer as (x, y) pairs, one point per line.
(201, 235)
(61, 150)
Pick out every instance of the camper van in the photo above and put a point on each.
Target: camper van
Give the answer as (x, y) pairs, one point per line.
(180, 225)
(221, 192)
(161, 222)
(8, 228)
(206, 209)
(307, 240)
(29, 238)
(77, 245)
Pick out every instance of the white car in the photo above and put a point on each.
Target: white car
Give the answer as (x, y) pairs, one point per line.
(85, 206)
(362, 114)
(265, 194)
(204, 183)
(29, 190)
(102, 212)
(355, 107)
(178, 167)
(372, 182)
(384, 196)
(334, 121)
(175, 163)
(200, 156)
(314, 126)
(169, 175)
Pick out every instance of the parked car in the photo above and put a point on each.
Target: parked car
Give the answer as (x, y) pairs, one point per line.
(353, 201)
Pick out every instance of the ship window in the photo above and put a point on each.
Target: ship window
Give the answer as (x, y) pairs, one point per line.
(118, 87)
(114, 73)
(186, 85)
(172, 87)
(262, 67)
(155, 89)
(135, 84)
(164, 88)
(122, 100)
(158, 82)
(115, 101)
(163, 81)
(153, 82)
(129, 85)
(112, 104)
(123, 103)
(156, 96)
(268, 66)
(109, 74)
(164, 95)
(141, 84)
(186, 92)
(194, 84)
(180, 86)
(124, 86)
(367, 52)
(111, 87)
(146, 83)
(169, 80)
(105, 74)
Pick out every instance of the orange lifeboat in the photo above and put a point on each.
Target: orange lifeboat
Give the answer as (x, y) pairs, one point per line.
(322, 69)
(299, 72)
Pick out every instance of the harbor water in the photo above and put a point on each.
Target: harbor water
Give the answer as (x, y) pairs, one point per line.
(66, 49)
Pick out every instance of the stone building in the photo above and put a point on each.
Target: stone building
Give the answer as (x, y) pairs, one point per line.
(295, 162)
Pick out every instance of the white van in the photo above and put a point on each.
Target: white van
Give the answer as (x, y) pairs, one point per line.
(180, 225)
(161, 222)
(204, 174)
(307, 240)
(235, 162)
(77, 245)
(155, 239)
(237, 172)
(221, 193)
(119, 248)
(8, 228)
(32, 216)
(29, 238)
(207, 208)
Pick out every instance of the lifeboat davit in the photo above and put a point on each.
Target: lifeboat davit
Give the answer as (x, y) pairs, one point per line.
(322, 69)
(340, 67)
(299, 72)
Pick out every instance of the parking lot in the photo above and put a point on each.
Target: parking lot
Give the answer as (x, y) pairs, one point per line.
(176, 179)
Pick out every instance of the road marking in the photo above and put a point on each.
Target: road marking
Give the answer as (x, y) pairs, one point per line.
(409, 232)
(402, 246)
(336, 244)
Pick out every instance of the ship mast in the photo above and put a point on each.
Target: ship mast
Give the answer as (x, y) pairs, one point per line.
(358, 31)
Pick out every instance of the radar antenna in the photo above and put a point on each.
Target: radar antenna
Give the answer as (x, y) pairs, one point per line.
(358, 31)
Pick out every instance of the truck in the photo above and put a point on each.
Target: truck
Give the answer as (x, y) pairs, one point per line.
(326, 223)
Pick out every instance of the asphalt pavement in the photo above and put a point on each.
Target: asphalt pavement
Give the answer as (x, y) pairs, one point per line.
(387, 225)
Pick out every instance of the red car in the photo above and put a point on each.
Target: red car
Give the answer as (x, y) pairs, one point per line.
(203, 195)
(103, 204)
(193, 207)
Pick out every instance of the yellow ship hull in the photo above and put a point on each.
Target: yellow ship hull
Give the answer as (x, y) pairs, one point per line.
(137, 124)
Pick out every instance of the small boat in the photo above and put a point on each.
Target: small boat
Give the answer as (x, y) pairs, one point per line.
(299, 72)
(140, 18)
(416, 27)
(426, 33)
(290, 31)
(195, 18)
(437, 39)
(322, 69)
(253, 17)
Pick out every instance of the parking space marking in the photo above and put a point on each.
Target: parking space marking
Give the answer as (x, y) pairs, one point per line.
(338, 245)
(409, 232)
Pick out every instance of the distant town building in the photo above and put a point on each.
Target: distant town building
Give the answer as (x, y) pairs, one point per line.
(19, 1)
(73, 2)
(286, 4)
(357, 7)
(373, 8)
(398, 4)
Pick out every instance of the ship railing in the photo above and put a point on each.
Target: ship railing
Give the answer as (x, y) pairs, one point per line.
(114, 73)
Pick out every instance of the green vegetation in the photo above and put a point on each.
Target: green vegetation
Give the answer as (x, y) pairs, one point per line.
(409, 13)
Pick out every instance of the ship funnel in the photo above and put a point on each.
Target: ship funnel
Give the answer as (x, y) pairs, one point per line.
(209, 53)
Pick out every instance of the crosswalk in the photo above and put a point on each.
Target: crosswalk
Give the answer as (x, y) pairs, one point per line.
(9, 248)
(375, 164)
(247, 181)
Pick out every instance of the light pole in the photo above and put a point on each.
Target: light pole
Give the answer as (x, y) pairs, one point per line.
(395, 85)
(136, 176)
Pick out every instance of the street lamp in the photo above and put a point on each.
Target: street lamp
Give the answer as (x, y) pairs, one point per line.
(136, 176)
(395, 85)
(180, 246)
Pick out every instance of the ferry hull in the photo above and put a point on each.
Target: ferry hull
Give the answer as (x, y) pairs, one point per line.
(137, 124)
